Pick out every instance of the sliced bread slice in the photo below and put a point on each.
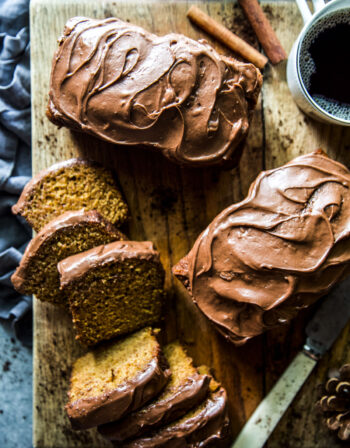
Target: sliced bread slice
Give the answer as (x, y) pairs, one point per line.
(113, 289)
(71, 185)
(185, 390)
(66, 235)
(115, 379)
(205, 426)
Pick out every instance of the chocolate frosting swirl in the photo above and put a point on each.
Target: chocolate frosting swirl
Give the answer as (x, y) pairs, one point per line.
(128, 86)
(277, 251)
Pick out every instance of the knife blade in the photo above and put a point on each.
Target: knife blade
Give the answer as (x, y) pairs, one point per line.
(323, 329)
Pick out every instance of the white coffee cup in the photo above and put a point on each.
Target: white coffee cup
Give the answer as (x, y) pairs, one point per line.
(294, 79)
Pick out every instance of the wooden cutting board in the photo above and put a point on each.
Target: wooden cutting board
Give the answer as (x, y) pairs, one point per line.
(171, 205)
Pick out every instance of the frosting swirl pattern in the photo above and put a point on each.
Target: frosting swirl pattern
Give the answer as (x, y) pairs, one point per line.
(128, 86)
(277, 251)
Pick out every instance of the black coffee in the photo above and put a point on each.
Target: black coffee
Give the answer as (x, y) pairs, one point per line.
(325, 63)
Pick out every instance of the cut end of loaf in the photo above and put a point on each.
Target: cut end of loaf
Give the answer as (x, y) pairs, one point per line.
(67, 186)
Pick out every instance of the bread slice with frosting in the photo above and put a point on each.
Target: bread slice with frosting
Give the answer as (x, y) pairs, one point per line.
(185, 390)
(207, 425)
(115, 379)
(113, 289)
(65, 235)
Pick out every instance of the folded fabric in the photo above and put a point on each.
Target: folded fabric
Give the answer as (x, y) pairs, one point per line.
(15, 158)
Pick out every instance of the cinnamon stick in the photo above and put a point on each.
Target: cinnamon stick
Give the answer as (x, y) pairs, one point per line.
(221, 33)
(263, 30)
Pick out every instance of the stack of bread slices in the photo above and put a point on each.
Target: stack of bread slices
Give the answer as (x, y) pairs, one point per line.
(142, 395)
(137, 393)
(80, 260)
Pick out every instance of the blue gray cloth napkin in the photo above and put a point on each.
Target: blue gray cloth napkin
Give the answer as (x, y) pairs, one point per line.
(15, 156)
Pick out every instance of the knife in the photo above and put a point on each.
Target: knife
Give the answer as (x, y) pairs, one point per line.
(322, 330)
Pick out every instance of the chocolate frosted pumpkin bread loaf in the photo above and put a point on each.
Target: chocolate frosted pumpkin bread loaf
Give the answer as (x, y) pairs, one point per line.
(113, 289)
(207, 425)
(66, 235)
(71, 185)
(277, 251)
(185, 390)
(115, 379)
(127, 86)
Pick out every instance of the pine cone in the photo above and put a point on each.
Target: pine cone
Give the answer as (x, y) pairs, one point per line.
(335, 402)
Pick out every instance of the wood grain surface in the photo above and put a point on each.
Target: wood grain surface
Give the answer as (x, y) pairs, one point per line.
(171, 205)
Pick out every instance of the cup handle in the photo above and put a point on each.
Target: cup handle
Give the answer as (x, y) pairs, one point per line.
(305, 11)
(318, 4)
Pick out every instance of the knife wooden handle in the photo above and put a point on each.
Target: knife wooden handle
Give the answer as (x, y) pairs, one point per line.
(259, 427)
